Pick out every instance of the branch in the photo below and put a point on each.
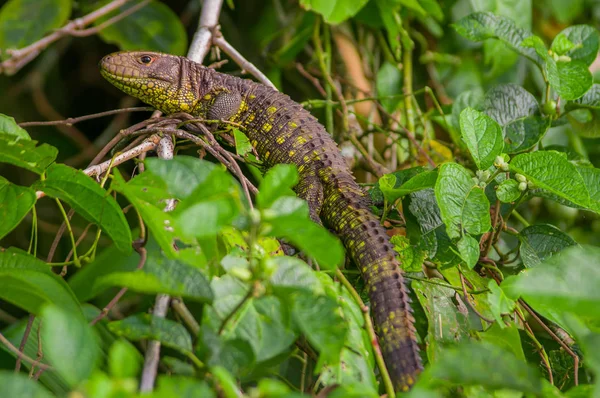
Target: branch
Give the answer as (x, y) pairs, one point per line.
(209, 18)
(153, 350)
(23, 56)
(72, 120)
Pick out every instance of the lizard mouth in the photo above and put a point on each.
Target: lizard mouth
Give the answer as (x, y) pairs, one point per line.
(114, 67)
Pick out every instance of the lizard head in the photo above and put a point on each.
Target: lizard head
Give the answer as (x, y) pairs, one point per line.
(159, 80)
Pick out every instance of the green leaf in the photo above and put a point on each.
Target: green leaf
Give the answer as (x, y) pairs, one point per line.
(591, 178)
(161, 274)
(539, 242)
(499, 302)
(15, 203)
(508, 191)
(8, 126)
(25, 154)
(411, 258)
(553, 172)
(70, 344)
(334, 11)
(235, 355)
(429, 231)
(19, 385)
(28, 283)
(145, 326)
(505, 337)
(155, 27)
(242, 143)
(567, 281)
(468, 247)
(213, 205)
(518, 112)
(586, 42)
(497, 54)
(479, 363)
(124, 360)
(226, 382)
(570, 79)
(264, 326)
(482, 135)
(319, 320)
(561, 44)
(389, 83)
(392, 190)
(445, 323)
(107, 261)
(292, 274)
(278, 182)
(23, 22)
(590, 100)
(288, 218)
(148, 195)
(485, 25)
(181, 175)
(89, 200)
(463, 204)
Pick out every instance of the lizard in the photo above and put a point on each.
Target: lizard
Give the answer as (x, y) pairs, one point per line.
(282, 131)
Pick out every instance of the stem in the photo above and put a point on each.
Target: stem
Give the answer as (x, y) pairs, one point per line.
(152, 355)
(68, 225)
(34, 232)
(325, 69)
(385, 376)
(520, 218)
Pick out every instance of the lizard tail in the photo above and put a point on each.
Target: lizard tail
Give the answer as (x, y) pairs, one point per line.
(370, 248)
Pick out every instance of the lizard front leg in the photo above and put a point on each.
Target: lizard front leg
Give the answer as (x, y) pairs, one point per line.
(221, 105)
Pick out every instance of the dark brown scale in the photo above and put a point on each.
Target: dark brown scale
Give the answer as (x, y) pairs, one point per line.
(341, 205)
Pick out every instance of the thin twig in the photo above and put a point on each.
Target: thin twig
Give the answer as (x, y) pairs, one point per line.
(73, 120)
(219, 41)
(556, 338)
(466, 294)
(19, 354)
(24, 340)
(188, 318)
(538, 345)
(110, 21)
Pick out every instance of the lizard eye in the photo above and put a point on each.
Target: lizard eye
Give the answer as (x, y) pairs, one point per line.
(146, 59)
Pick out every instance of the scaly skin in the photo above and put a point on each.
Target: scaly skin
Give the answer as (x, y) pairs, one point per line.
(283, 132)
